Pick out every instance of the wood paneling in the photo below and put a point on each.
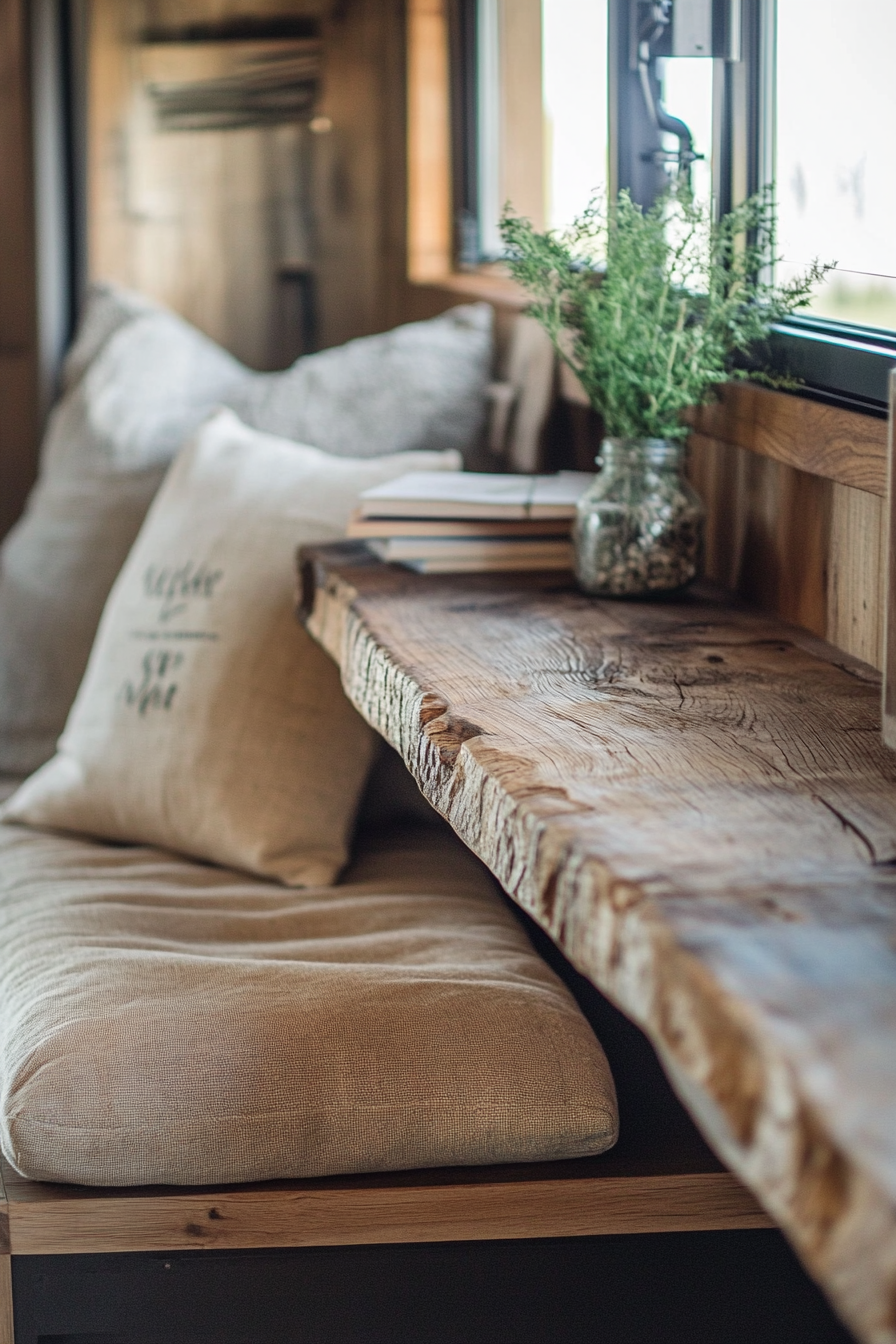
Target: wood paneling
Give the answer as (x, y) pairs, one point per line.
(802, 545)
(429, 142)
(768, 531)
(522, 112)
(18, 294)
(826, 441)
(210, 222)
(856, 573)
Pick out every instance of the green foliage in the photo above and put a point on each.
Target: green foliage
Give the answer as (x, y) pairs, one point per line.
(652, 308)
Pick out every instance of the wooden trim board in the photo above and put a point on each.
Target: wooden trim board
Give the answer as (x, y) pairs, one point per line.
(840, 445)
(550, 1200)
(7, 1323)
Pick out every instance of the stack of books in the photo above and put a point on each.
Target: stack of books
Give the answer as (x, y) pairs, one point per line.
(451, 522)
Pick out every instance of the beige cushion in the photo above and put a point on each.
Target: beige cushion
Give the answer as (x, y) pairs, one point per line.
(137, 381)
(422, 385)
(161, 1021)
(208, 721)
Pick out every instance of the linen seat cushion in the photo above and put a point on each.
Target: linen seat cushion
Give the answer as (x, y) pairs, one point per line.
(166, 1022)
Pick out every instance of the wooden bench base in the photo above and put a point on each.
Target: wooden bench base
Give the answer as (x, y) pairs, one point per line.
(569, 1199)
(565, 1199)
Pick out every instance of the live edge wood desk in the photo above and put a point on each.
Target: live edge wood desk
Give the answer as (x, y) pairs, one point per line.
(693, 801)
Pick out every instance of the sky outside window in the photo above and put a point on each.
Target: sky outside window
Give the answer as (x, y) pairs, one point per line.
(836, 167)
(574, 37)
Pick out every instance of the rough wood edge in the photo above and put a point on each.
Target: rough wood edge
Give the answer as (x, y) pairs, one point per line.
(840, 445)
(889, 686)
(834, 1214)
(245, 1219)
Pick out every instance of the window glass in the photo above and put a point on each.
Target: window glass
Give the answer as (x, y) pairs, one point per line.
(541, 111)
(686, 84)
(836, 112)
(574, 56)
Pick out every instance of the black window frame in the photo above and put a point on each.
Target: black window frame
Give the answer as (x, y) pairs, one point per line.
(835, 362)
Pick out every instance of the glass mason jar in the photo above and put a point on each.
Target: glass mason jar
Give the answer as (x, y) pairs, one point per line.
(639, 528)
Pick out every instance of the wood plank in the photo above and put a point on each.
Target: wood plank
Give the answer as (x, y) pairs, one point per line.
(7, 1323)
(840, 445)
(889, 694)
(693, 800)
(429, 142)
(768, 534)
(855, 571)
(460, 1207)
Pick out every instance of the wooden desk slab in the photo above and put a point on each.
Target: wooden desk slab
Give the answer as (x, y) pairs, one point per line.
(694, 802)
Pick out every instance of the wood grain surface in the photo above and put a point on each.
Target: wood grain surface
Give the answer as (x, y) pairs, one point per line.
(840, 445)
(563, 1199)
(7, 1326)
(695, 803)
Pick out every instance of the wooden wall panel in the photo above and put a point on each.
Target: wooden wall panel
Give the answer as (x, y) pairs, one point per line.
(768, 530)
(429, 142)
(205, 221)
(18, 295)
(828, 441)
(807, 548)
(856, 574)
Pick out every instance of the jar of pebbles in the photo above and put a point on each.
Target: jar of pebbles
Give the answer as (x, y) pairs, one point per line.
(639, 528)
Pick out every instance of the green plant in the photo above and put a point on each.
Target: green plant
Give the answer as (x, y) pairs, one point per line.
(651, 308)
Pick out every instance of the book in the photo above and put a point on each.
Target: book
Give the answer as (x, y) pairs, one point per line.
(365, 528)
(468, 550)
(459, 566)
(483, 495)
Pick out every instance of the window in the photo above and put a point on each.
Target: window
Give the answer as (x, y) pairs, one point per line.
(834, 152)
(572, 95)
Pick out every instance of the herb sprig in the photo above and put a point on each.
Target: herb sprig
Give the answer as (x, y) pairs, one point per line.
(653, 308)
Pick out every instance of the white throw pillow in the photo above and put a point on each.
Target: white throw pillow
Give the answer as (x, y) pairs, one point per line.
(419, 386)
(137, 381)
(208, 721)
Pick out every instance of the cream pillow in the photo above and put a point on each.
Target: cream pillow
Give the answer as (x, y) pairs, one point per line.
(208, 721)
(137, 382)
